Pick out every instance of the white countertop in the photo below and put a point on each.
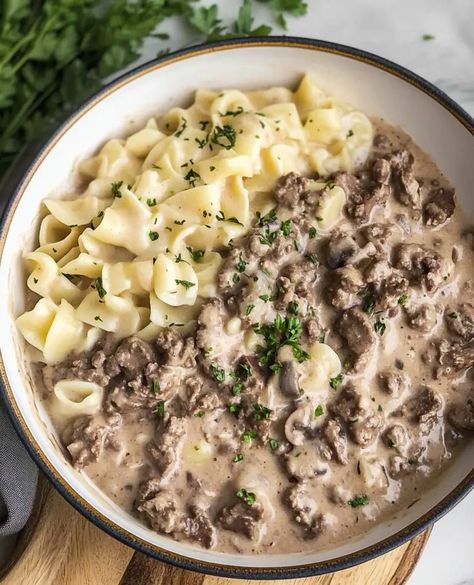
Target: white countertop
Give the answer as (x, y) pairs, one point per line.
(394, 29)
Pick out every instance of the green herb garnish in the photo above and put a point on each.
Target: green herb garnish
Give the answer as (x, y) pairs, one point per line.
(218, 372)
(357, 501)
(100, 287)
(248, 497)
(185, 283)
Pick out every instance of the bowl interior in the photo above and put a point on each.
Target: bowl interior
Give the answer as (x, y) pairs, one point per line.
(126, 106)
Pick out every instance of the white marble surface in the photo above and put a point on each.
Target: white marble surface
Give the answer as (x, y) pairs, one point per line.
(394, 29)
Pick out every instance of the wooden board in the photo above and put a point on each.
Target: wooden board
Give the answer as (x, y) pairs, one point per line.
(60, 547)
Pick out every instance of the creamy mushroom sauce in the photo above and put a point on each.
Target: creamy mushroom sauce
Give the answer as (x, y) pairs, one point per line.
(309, 471)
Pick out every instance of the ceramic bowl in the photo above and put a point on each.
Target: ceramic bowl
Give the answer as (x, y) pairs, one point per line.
(371, 84)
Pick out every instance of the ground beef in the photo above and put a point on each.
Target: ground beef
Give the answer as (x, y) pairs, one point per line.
(396, 437)
(85, 439)
(164, 451)
(406, 187)
(451, 359)
(160, 511)
(385, 285)
(305, 510)
(175, 350)
(198, 527)
(357, 330)
(393, 383)
(335, 436)
(439, 206)
(291, 190)
(460, 320)
(365, 190)
(342, 287)
(242, 518)
(423, 407)
(422, 317)
(422, 266)
(133, 355)
(363, 423)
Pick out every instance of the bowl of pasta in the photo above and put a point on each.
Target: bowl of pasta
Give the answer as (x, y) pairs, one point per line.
(241, 333)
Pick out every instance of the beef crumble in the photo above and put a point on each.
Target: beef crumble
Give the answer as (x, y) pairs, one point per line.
(213, 437)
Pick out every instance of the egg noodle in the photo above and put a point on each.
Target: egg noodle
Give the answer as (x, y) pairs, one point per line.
(139, 250)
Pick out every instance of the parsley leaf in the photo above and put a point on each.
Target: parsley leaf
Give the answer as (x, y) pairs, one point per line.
(185, 283)
(248, 497)
(357, 501)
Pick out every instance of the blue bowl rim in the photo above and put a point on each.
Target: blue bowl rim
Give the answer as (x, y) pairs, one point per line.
(81, 505)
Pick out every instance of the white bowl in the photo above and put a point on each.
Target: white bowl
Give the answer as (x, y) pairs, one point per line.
(371, 84)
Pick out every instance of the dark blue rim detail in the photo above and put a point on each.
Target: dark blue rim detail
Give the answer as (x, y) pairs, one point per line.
(187, 563)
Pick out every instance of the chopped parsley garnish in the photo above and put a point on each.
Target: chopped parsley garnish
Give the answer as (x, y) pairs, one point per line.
(261, 412)
(266, 298)
(268, 237)
(453, 315)
(357, 501)
(368, 305)
(244, 371)
(241, 264)
(249, 309)
(247, 436)
(202, 143)
(379, 408)
(237, 389)
(185, 283)
(151, 202)
(99, 286)
(284, 330)
(286, 226)
(234, 409)
(224, 136)
(196, 255)
(160, 409)
(199, 413)
(313, 232)
(313, 258)
(191, 176)
(273, 444)
(293, 307)
(428, 37)
(350, 133)
(179, 259)
(97, 318)
(218, 372)
(336, 381)
(318, 411)
(402, 300)
(156, 167)
(115, 187)
(264, 219)
(155, 386)
(183, 127)
(379, 327)
(238, 458)
(178, 222)
(203, 124)
(153, 236)
(221, 217)
(233, 113)
(248, 497)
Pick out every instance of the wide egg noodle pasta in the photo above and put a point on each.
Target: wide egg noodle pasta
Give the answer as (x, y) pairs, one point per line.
(191, 179)
(75, 397)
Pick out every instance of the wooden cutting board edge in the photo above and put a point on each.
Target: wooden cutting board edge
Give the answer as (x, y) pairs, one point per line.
(66, 549)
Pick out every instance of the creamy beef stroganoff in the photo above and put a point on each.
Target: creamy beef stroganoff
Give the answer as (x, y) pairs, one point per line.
(252, 323)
